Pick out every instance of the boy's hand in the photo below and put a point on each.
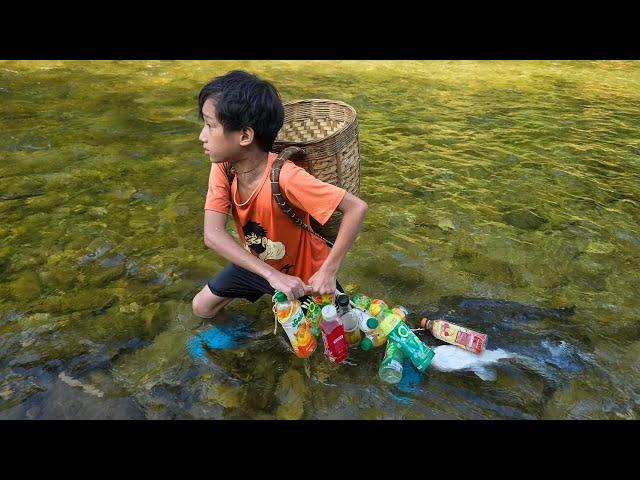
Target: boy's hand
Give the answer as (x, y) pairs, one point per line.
(292, 287)
(322, 282)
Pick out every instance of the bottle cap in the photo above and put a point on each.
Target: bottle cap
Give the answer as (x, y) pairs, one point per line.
(329, 311)
(366, 344)
(424, 323)
(372, 323)
(280, 296)
(343, 300)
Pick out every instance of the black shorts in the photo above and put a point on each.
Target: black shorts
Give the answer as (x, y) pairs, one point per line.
(236, 282)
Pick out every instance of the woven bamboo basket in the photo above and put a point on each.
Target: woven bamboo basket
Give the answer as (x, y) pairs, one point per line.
(327, 132)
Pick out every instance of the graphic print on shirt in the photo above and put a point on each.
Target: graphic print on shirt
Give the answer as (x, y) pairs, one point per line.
(255, 240)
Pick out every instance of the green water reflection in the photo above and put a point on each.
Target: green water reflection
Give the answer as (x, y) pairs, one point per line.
(512, 180)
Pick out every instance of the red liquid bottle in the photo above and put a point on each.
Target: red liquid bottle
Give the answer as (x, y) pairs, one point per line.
(335, 344)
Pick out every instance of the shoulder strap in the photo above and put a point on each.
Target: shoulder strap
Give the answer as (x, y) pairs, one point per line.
(275, 190)
(227, 170)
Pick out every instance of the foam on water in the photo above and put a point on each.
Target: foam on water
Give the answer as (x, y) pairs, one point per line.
(449, 358)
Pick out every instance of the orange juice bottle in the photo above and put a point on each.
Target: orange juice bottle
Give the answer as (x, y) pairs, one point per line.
(297, 327)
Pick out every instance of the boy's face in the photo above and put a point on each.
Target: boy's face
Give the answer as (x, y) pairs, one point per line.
(218, 145)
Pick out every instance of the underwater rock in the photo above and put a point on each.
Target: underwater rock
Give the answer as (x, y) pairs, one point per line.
(26, 286)
(82, 300)
(291, 391)
(107, 275)
(59, 278)
(525, 219)
(63, 401)
(229, 396)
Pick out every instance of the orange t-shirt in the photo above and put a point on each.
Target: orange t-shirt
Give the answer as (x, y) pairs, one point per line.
(267, 232)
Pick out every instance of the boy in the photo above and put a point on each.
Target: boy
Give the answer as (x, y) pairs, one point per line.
(242, 116)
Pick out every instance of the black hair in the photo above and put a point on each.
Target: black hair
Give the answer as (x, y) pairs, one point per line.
(244, 100)
(254, 227)
(258, 230)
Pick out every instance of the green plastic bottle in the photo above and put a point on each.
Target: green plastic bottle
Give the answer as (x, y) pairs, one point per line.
(413, 348)
(390, 370)
(314, 313)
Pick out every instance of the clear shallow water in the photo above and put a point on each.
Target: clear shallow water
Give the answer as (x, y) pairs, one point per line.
(501, 180)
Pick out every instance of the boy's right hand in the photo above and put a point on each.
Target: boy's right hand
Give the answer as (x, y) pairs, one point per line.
(292, 287)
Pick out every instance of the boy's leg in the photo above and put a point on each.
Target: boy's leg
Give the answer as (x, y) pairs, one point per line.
(207, 305)
(231, 282)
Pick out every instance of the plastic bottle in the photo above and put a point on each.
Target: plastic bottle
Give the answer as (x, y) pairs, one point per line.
(401, 312)
(314, 312)
(373, 336)
(456, 335)
(390, 370)
(376, 306)
(297, 327)
(350, 320)
(367, 322)
(361, 301)
(335, 345)
(398, 331)
(322, 300)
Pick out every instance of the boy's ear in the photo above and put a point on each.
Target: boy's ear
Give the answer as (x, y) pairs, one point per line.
(246, 136)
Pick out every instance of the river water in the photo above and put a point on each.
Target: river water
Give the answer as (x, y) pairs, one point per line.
(498, 191)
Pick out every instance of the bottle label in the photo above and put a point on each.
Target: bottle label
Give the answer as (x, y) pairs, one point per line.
(314, 313)
(298, 329)
(460, 336)
(335, 345)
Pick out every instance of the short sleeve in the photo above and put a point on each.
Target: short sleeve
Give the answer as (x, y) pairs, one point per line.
(306, 192)
(219, 192)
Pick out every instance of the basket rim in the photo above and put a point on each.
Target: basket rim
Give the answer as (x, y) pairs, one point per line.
(336, 133)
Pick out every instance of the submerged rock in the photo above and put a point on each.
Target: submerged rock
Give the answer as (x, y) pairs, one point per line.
(26, 286)
(525, 219)
(291, 391)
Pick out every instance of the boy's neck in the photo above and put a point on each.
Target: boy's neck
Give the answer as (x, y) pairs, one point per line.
(251, 167)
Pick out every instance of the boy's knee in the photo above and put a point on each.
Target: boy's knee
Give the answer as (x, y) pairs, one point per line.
(201, 310)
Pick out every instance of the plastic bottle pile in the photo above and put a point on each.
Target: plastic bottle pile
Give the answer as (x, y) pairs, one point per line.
(361, 322)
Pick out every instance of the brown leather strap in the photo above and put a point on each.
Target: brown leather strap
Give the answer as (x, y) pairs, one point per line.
(275, 190)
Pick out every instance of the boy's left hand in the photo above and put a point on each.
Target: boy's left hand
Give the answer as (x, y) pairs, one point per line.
(321, 283)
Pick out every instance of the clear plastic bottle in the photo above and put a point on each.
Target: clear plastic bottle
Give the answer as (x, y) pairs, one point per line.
(335, 345)
(373, 336)
(390, 370)
(297, 327)
(350, 320)
(401, 312)
(456, 335)
(412, 347)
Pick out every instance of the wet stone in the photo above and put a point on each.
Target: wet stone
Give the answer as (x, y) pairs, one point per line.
(525, 219)
(26, 286)
(64, 402)
(291, 391)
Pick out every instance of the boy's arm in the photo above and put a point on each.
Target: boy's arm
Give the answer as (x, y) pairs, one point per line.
(217, 238)
(354, 210)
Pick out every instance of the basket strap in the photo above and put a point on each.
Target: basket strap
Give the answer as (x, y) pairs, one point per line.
(275, 190)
